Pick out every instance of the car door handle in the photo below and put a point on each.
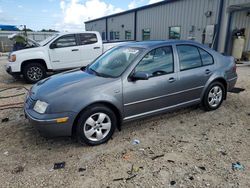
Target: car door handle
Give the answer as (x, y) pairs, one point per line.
(74, 50)
(207, 71)
(95, 48)
(171, 80)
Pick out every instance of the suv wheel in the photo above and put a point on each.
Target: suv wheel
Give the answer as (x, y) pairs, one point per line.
(34, 72)
(96, 125)
(214, 96)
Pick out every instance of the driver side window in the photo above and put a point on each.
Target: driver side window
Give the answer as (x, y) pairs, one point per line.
(157, 62)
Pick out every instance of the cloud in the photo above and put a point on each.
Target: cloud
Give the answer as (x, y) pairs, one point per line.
(20, 6)
(62, 5)
(75, 12)
(7, 19)
(135, 3)
(154, 1)
(132, 4)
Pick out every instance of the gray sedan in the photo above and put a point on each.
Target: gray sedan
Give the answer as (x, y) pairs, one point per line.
(126, 83)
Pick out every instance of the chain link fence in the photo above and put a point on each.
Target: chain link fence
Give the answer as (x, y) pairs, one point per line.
(6, 44)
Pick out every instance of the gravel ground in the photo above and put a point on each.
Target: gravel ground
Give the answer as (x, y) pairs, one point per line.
(186, 148)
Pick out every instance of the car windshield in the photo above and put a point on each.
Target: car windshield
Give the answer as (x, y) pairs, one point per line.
(115, 61)
(42, 43)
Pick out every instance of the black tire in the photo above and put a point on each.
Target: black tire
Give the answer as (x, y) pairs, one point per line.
(206, 99)
(83, 126)
(38, 71)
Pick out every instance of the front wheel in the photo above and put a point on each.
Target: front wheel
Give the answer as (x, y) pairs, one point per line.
(34, 72)
(96, 125)
(214, 96)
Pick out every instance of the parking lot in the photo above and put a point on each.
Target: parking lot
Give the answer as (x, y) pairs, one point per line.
(186, 148)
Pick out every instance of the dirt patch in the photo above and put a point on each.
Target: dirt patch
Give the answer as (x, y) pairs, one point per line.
(186, 148)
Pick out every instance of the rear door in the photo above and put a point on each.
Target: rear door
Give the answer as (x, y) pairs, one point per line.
(64, 52)
(144, 97)
(90, 48)
(196, 66)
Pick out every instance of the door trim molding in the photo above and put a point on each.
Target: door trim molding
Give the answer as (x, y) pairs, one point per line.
(161, 109)
(158, 97)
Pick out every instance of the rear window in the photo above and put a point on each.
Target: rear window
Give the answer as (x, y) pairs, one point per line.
(206, 58)
(88, 38)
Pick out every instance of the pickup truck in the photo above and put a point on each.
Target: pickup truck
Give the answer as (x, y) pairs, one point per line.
(62, 51)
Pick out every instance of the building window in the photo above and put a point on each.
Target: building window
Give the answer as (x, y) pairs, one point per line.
(174, 32)
(103, 35)
(111, 35)
(117, 35)
(114, 35)
(127, 35)
(146, 34)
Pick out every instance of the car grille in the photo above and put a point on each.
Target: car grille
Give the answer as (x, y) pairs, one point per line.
(30, 102)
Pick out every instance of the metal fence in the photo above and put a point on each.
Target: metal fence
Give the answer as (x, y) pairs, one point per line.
(6, 44)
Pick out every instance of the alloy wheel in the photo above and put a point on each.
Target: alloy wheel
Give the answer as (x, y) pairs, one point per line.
(215, 96)
(35, 73)
(97, 126)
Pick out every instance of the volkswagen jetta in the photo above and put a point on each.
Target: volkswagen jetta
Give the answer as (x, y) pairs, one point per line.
(129, 82)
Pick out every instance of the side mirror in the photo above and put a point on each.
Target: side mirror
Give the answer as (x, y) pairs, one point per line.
(140, 76)
(53, 45)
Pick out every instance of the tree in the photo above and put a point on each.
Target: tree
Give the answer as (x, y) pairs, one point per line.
(27, 29)
(48, 30)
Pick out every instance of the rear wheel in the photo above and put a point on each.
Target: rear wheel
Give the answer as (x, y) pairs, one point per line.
(34, 72)
(96, 125)
(214, 96)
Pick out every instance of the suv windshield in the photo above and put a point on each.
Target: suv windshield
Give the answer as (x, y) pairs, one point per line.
(115, 61)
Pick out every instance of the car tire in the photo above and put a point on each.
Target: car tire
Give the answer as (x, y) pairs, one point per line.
(34, 72)
(214, 96)
(96, 125)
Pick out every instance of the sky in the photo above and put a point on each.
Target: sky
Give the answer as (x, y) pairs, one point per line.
(61, 15)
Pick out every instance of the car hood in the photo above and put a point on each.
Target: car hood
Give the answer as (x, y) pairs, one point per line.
(28, 50)
(67, 84)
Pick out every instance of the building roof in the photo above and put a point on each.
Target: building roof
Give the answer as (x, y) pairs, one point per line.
(8, 28)
(133, 10)
(156, 43)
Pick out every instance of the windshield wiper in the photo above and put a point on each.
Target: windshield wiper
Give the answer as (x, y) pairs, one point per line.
(99, 74)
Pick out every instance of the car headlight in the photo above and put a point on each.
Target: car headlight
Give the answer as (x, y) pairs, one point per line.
(40, 107)
(12, 58)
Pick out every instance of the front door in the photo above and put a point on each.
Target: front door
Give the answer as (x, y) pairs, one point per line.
(144, 97)
(64, 53)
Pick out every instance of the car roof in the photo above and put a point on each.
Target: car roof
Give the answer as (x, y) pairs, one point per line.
(79, 32)
(155, 43)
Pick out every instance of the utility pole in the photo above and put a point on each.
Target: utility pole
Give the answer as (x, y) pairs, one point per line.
(25, 31)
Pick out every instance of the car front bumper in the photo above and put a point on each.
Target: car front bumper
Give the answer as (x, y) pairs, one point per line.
(12, 69)
(47, 124)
